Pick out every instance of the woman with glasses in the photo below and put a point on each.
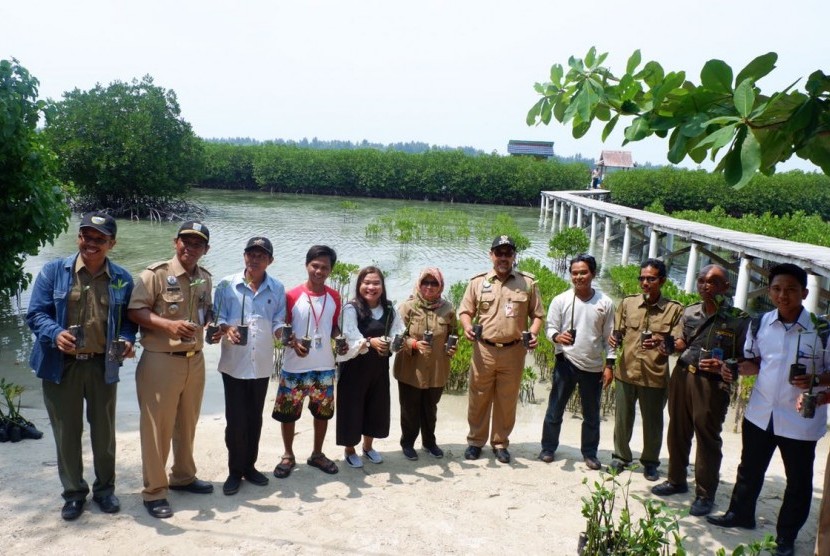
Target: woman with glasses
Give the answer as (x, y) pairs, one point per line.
(423, 364)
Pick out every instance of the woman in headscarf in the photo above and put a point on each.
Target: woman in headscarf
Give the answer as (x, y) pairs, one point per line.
(422, 367)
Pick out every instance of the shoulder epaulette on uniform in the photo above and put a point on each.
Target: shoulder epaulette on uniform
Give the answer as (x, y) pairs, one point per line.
(527, 274)
(736, 313)
(480, 274)
(206, 271)
(156, 266)
(633, 295)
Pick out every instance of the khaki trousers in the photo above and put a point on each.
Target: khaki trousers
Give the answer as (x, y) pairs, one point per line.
(170, 392)
(495, 378)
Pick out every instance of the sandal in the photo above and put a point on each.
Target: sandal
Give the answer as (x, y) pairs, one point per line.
(324, 464)
(283, 469)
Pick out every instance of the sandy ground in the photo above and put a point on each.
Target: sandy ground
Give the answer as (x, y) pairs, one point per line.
(446, 506)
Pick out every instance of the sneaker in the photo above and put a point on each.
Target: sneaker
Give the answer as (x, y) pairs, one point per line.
(651, 473)
(410, 453)
(667, 489)
(434, 451)
(353, 460)
(372, 455)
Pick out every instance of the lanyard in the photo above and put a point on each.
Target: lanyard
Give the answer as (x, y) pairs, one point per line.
(314, 313)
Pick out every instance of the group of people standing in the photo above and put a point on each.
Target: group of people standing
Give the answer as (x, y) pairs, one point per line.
(172, 305)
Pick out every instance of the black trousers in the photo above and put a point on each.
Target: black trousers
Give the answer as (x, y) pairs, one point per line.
(244, 402)
(798, 457)
(363, 404)
(419, 413)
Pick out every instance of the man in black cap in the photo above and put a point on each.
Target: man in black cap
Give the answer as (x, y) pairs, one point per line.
(76, 306)
(504, 302)
(171, 304)
(254, 302)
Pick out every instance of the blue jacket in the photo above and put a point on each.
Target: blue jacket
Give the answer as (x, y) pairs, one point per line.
(47, 316)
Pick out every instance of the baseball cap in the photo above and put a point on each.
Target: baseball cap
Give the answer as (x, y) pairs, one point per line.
(191, 227)
(100, 221)
(503, 240)
(262, 242)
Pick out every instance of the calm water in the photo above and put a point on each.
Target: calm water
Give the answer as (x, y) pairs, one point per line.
(293, 223)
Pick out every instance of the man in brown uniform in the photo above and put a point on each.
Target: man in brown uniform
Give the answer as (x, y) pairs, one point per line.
(643, 372)
(698, 398)
(170, 304)
(503, 301)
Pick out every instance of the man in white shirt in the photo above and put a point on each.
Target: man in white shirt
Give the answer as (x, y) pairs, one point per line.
(784, 336)
(254, 300)
(583, 359)
(308, 372)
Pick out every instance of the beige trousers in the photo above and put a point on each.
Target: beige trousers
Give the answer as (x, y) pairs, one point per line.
(170, 392)
(495, 378)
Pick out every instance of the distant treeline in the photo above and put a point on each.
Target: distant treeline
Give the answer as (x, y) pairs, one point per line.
(411, 147)
(433, 175)
(697, 190)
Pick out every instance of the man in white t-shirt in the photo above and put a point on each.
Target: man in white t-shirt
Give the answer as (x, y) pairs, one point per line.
(579, 321)
(308, 372)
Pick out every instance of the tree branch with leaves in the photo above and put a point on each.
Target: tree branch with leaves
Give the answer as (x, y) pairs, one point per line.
(725, 113)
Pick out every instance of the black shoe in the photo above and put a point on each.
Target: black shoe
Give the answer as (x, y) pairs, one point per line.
(72, 509)
(232, 484)
(109, 504)
(410, 453)
(731, 519)
(592, 462)
(617, 466)
(651, 473)
(435, 451)
(667, 489)
(547, 456)
(198, 486)
(159, 508)
(472, 452)
(502, 455)
(701, 506)
(255, 477)
(784, 548)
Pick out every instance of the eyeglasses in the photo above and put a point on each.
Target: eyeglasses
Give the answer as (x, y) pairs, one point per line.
(93, 240)
(430, 284)
(649, 279)
(503, 254)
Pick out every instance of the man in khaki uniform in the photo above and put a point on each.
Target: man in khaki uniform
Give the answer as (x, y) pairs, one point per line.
(502, 301)
(170, 304)
(643, 372)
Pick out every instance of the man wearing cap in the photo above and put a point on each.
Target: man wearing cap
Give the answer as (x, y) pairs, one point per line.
(170, 304)
(256, 300)
(88, 290)
(503, 301)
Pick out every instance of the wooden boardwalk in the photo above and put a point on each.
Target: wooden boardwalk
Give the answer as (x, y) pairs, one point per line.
(659, 229)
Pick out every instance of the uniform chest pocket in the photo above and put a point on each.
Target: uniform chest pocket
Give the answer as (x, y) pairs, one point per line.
(172, 304)
(487, 302)
(518, 297)
(74, 296)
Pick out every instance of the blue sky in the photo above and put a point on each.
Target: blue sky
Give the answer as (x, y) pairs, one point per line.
(443, 72)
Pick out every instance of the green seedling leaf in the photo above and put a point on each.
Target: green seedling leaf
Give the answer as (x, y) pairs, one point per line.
(744, 97)
(757, 68)
(716, 76)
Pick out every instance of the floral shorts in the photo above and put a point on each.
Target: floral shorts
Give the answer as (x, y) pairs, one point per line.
(317, 386)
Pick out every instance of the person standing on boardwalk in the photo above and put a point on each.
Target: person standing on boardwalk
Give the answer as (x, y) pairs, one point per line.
(423, 365)
(86, 288)
(256, 300)
(787, 335)
(643, 372)
(579, 321)
(505, 303)
(308, 368)
(698, 398)
(170, 303)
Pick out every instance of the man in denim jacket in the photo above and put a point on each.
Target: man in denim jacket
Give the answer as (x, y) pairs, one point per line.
(89, 291)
